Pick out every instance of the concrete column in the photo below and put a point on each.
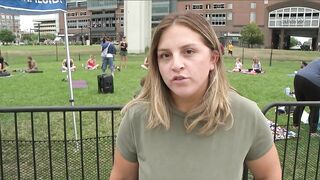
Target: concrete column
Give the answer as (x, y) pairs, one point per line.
(137, 25)
(318, 40)
(281, 45)
(267, 37)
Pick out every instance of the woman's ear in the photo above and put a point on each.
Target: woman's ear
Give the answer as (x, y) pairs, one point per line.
(214, 59)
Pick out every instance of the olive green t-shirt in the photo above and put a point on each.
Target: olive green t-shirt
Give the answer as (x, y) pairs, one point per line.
(175, 154)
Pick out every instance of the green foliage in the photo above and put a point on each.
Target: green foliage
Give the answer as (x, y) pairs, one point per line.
(48, 36)
(6, 36)
(293, 41)
(251, 34)
(26, 37)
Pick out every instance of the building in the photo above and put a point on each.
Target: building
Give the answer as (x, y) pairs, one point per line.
(277, 19)
(106, 19)
(46, 24)
(79, 24)
(10, 22)
(161, 8)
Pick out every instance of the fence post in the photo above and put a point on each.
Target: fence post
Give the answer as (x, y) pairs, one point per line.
(271, 54)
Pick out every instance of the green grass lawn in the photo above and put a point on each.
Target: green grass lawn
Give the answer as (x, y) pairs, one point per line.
(47, 89)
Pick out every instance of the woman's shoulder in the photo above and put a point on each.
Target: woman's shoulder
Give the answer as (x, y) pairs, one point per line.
(240, 102)
(136, 114)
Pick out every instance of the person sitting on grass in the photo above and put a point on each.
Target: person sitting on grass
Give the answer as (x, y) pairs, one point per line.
(145, 64)
(3, 65)
(65, 65)
(256, 66)
(91, 63)
(31, 65)
(303, 64)
(238, 65)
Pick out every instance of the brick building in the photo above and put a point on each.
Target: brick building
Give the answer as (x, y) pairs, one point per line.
(278, 19)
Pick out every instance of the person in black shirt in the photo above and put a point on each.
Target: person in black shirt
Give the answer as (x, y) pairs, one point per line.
(123, 53)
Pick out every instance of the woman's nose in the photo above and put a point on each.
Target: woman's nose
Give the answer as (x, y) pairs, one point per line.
(177, 63)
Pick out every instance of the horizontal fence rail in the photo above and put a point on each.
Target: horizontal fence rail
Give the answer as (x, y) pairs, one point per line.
(298, 150)
(57, 142)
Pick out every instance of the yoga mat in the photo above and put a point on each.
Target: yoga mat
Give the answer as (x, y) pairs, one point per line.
(79, 84)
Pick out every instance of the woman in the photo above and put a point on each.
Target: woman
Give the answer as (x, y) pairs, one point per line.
(31, 65)
(238, 65)
(187, 122)
(123, 53)
(91, 63)
(256, 65)
(2, 65)
(64, 65)
(107, 53)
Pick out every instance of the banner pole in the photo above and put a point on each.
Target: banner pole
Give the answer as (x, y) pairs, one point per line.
(71, 100)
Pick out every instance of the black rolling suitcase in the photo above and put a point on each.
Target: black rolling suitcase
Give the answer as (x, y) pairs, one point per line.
(105, 83)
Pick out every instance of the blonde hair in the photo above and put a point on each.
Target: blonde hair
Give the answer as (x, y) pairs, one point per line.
(214, 109)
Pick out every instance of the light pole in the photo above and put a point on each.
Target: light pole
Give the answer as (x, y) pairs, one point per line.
(39, 33)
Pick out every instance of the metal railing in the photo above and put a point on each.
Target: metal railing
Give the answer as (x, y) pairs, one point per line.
(40, 142)
(299, 151)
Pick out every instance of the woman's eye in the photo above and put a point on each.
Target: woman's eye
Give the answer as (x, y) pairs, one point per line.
(189, 51)
(164, 56)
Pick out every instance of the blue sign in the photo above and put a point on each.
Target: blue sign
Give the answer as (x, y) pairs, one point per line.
(32, 6)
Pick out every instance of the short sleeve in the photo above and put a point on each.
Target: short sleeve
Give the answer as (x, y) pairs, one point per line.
(125, 139)
(262, 139)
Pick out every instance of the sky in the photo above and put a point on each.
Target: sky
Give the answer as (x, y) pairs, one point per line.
(26, 21)
(302, 39)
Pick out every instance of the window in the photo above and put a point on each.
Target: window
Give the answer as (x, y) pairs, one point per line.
(229, 6)
(208, 6)
(252, 17)
(253, 5)
(187, 7)
(197, 6)
(294, 17)
(218, 6)
(83, 13)
(229, 16)
(71, 14)
(82, 4)
(218, 19)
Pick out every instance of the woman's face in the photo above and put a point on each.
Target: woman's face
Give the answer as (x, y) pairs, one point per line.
(185, 62)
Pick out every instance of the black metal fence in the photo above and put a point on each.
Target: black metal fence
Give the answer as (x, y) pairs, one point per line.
(78, 142)
(299, 151)
(57, 142)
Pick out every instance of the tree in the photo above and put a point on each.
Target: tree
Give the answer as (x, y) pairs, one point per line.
(26, 37)
(293, 41)
(6, 36)
(48, 36)
(251, 34)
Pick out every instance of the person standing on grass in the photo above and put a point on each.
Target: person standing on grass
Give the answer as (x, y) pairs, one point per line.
(230, 48)
(123, 53)
(188, 122)
(108, 51)
(307, 88)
